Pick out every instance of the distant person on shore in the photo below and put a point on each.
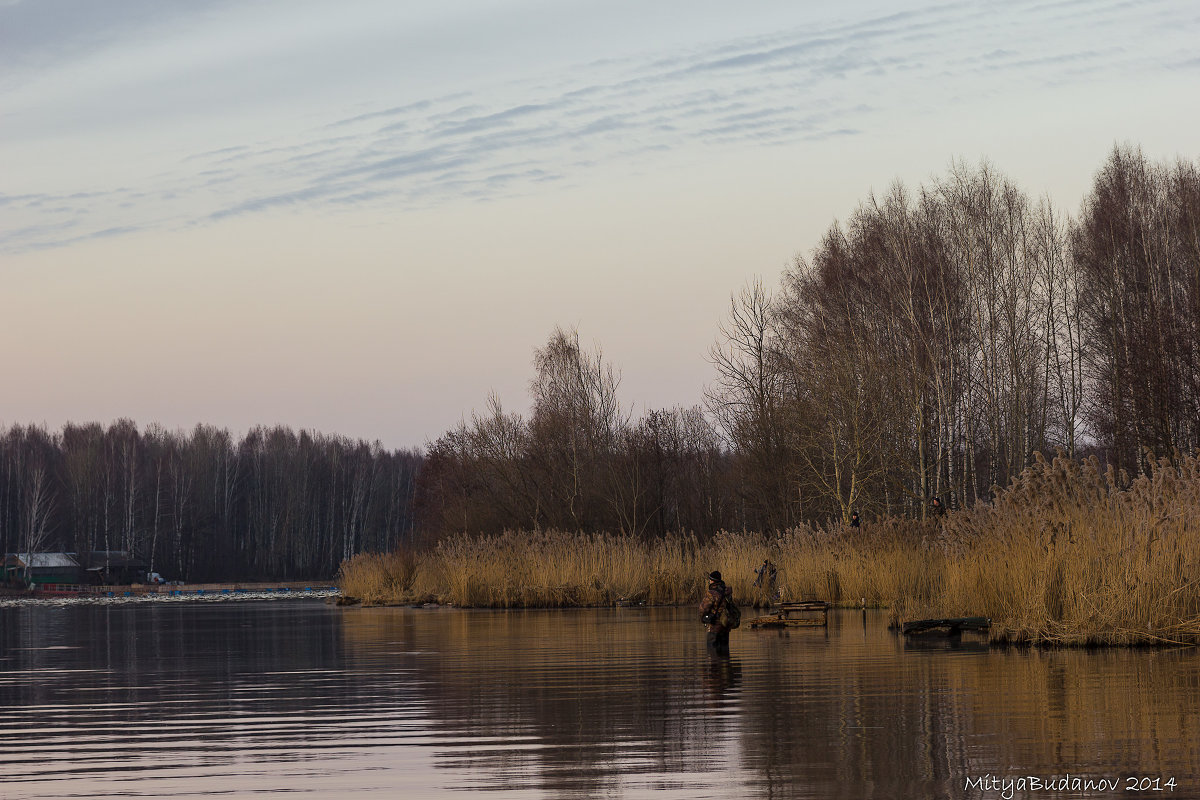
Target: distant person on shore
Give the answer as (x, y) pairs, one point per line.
(936, 508)
(710, 614)
(766, 575)
(854, 521)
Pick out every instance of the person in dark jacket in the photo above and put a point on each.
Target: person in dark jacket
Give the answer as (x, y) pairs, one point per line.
(936, 507)
(710, 611)
(854, 521)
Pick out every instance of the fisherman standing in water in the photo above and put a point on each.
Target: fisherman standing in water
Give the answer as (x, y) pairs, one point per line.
(710, 614)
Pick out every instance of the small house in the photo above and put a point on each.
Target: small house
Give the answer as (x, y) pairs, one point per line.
(41, 568)
(113, 567)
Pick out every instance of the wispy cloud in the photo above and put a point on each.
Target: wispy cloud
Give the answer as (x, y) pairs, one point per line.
(787, 87)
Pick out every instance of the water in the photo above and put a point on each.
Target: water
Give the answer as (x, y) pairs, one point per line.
(241, 699)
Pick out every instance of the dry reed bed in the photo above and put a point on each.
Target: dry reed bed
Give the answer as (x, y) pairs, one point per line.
(1067, 554)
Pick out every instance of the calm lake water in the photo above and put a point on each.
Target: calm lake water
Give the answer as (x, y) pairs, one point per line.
(244, 699)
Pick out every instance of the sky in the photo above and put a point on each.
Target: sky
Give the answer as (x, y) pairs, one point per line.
(362, 217)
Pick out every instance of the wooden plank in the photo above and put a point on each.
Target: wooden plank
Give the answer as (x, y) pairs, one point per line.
(803, 605)
(777, 621)
(786, 610)
(952, 624)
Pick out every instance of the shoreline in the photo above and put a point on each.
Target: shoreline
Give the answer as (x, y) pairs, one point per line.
(1069, 554)
(200, 592)
(997, 636)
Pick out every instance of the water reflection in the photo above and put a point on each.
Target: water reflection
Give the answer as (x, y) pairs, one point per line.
(246, 698)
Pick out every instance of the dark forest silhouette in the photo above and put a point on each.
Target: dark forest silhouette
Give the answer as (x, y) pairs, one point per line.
(930, 345)
(203, 506)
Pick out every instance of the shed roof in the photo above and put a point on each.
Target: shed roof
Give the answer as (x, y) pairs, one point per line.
(36, 560)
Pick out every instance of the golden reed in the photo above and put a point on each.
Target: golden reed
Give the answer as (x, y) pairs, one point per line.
(1066, 554)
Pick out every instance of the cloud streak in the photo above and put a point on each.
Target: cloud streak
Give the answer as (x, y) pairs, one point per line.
(807, 84)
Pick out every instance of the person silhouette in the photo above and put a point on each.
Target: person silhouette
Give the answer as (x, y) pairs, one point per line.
(710, 614)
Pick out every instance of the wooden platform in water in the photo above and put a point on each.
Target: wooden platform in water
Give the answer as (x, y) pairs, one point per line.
(795, 614)
(776, 621)
(951, 625)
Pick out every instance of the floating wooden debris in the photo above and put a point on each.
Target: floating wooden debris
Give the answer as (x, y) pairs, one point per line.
(797, 614)
(952, 625)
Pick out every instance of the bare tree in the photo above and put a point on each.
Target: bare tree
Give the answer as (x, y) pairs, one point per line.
(575, 425)
(38, 508)
(1135, 251)
(746, 401)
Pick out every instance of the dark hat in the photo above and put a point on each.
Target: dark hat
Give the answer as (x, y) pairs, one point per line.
(714, 575)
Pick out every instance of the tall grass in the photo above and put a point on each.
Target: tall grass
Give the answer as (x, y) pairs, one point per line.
(1073, 555)
(1066, 554)
(378, 578)
(546, 568)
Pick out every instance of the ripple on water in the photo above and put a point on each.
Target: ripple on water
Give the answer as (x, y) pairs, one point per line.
(244, 699)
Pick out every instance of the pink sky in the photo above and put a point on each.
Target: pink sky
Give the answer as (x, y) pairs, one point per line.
(363, 223)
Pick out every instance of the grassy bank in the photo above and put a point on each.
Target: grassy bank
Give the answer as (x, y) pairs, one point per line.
(1067, 554)
(555, 569)
(1071, 555)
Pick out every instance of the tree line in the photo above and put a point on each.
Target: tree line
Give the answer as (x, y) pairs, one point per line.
(204, 506)
(929, 345)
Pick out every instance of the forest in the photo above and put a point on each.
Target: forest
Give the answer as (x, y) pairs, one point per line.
(933, 344)
(204, 506)
(929, 346)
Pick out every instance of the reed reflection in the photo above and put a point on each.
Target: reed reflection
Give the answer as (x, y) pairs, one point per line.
(243, 699)
(580, 701)
(600, 701)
